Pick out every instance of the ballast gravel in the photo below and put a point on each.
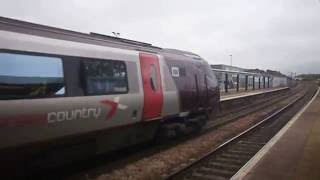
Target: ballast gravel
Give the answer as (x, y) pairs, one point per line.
(158, 165)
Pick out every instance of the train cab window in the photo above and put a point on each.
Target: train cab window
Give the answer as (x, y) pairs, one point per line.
(30, 76)
(105, 77)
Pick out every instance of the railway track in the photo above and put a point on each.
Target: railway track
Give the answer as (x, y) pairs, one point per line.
(225, 160)
(225, 117)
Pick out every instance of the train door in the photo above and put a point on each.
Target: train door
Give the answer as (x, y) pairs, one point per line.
(200, 84)
(196, 100)
(203, 87)
(152, 87)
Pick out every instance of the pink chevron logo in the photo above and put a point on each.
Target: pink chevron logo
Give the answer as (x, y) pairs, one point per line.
(114, 106)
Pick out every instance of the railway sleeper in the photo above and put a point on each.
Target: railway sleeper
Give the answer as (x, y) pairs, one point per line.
(257, 137)
(229, 160)
(247, 147)
(220, 165)
(198, 176)
(243, 152)
(236, 156)
(257, 140)
(250, 143)
(220, 172)
(239, 147)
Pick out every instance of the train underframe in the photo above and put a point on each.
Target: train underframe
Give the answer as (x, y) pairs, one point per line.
(54, 153)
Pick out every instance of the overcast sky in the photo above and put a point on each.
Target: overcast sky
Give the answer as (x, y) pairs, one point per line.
(281, 35)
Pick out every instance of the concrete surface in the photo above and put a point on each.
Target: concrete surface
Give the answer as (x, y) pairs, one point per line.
(295, 155)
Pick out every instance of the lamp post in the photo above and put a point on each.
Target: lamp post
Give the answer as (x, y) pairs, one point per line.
(230, 59)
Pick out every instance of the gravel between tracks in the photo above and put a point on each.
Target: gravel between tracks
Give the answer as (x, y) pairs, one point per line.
(157, 165)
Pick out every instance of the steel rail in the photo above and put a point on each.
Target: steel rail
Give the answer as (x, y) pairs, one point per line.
(191, 166)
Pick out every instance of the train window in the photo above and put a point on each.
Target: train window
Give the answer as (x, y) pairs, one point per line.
(153, 77)
(105, 77)
(182, 71)
(29, 76)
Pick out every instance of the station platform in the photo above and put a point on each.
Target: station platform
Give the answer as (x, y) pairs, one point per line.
(294, 153)
(232, 95)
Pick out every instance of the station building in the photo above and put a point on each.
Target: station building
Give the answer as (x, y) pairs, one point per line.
(232, 78)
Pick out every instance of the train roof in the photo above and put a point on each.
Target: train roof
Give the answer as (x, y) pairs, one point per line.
(24, 27)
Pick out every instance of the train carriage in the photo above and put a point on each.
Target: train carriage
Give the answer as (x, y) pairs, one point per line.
(66, 95)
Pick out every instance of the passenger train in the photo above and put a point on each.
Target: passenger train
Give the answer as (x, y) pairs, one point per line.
(66, 95)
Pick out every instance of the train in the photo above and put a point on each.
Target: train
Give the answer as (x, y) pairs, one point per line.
(67, 95)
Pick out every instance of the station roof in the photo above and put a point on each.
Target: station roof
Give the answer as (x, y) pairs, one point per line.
(239, 70)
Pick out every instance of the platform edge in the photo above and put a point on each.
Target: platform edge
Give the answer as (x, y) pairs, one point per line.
(266, 148)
